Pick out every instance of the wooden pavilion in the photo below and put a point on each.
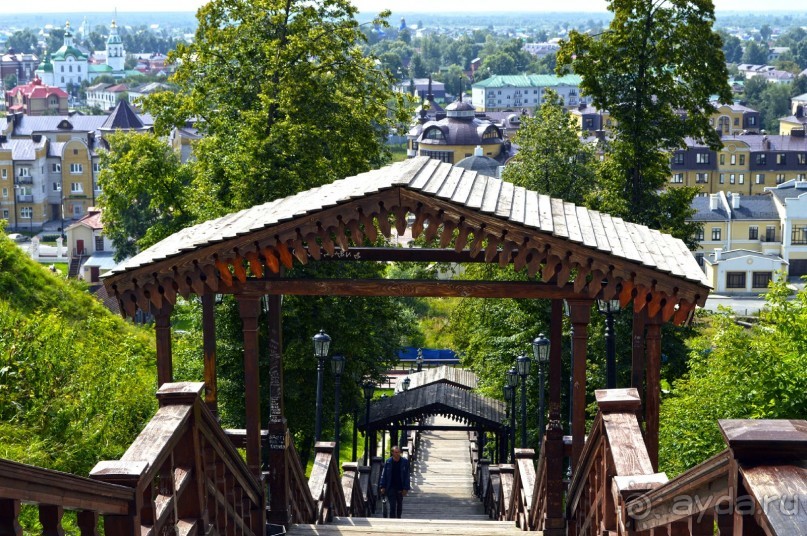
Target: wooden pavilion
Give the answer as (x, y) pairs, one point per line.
(569, 252)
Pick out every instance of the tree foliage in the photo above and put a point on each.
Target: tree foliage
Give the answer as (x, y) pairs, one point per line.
(655, 70)
(737, 373)
(551, 158)
(284, 95)
(145, 190)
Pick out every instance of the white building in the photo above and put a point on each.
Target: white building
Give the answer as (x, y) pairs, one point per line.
(742, 271)
(66, 68)
(517, 92)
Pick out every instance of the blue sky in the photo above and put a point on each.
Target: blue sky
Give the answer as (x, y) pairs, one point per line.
(60, 6)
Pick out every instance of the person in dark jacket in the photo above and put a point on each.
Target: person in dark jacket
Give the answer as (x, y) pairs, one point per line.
(394, 481)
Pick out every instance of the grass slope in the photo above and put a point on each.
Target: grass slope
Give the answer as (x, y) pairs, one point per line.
(76, 382)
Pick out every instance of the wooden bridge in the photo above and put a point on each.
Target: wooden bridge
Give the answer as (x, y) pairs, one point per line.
(184, 474)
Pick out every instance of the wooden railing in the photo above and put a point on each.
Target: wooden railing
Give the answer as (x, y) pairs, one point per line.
(355, 504)
(368, 491)
(523, 483)
(758, 485)
(54, 492)
(187, 476)
(493, 493)
(302, 505)
(538, 511)
(325, 484)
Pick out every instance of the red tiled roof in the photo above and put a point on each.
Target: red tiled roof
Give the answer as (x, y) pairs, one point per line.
(35, 89)
(92, 220)
(119, 87)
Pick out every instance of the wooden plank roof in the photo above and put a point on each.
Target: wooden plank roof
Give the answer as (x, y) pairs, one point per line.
(465, 210)
(436, 399)
(459, 377)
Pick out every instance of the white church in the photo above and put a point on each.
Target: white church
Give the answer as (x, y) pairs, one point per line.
(69, 66)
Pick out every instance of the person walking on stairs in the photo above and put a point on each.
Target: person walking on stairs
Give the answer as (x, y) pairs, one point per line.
(395, 481)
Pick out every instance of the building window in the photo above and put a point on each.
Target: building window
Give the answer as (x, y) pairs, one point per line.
(5, 192)
(741, 178)
(733, 159)
(731, 178)
(76, 168)
(780, 178)
(443, 156)
(96, 167)
(99, 243)
(760, 178)
(735, 279)
(742, 159)
(75, 187)
(5, 214)
(56, 168)
(699, 235)
(678, 178)
(57, 187)
(702, 158)
(715, 233)
(702, 178)
(63, 71)
(722, 178)
(678, 157)
(781, 159)
(753, 232)
(736, 121)
(770, 233)
(752, 120)
(25, 172)
(761, 279)
(699, 259)
(799, 235)
(762, 159)
(801, 158)
(4, 173)
(722, 159)
(26, 212)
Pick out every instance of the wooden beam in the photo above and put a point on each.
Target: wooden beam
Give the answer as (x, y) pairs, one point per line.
(580, 314)
(209, 350)
(653, 388)
(162, 329)
(278, 477)
(249, 308)
(403, 287)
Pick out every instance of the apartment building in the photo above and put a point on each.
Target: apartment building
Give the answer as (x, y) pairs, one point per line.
(797, 120)
(745, 165)
(513, 92)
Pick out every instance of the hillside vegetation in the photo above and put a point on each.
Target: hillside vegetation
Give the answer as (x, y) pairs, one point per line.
(76, 382)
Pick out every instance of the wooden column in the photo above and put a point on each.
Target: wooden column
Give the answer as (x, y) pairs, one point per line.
(162, 329)
(555, 523)
(10, 517)
(249, 307)
(653, 388)
(278, 471)
(209, 350)
(580, 314)
(50, 516)
(637, 352)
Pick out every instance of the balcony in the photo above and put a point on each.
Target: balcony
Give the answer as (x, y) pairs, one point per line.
(24, 180)
(25, 198)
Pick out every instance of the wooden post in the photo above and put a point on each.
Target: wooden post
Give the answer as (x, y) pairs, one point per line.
(162, 329)
(50, 515)
(209, 350)
(637, 347)
(653, 388)
(580, 313)
(555, 522)
(278, 471)
(10, 517)
(87, 521)
(249, 307)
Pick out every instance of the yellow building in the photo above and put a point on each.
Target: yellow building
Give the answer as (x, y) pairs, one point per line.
(735, 119)
(797, 121)
(456, 136)
(591, 119)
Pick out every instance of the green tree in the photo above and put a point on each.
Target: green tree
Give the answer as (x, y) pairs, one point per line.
(732, 47)
(499, 63)
(24, 41)
(417, 69)
(144, 195)
(55, 40)
(641, 71)
(454, 79)
(287, 100)
(755, 53)
(10, 81)
(765, 32)
(551, 158)
(737, 373)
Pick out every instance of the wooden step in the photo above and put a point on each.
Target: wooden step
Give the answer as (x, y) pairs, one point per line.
(402, 527)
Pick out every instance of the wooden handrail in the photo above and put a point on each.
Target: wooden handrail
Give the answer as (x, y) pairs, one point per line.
(325, 484)
(302, 506)
(367, 491)
(523, 482)
(355, 505)
(492, 496)
(539, 493)
(186, 472)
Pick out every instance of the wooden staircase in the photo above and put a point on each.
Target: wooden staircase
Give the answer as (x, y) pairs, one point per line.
(441, 501)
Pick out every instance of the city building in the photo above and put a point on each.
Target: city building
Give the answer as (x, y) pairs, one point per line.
(797, 121)
(768, 72)
(592, 119)
(735, 119)
(456, 136)
(514, 92)
(541, 49)
(66, 68)
(23, 66)
(423, 87)
(106, 96)
(91, 252)
(746, 164)
(35, 98)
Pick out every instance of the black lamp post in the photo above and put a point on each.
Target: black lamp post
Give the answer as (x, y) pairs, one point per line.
(369, 389)
(337, 367)
(508, 400)
(405, 385)
(540, 348)
(322, 343)
(523, 365)
(608, 308)
(419, 360)
(512, 381)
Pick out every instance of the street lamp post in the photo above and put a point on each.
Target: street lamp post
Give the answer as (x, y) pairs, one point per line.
(540, 349)
(608, 308)
(419, 360)
(337, 367)
(405, 438)
(512, 381)
(322, 343)
(369, 389)
(523, 366)
(508, 400)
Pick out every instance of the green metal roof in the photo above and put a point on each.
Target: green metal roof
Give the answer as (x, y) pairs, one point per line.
(68, 51)
(532, 80)
(101, 68)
